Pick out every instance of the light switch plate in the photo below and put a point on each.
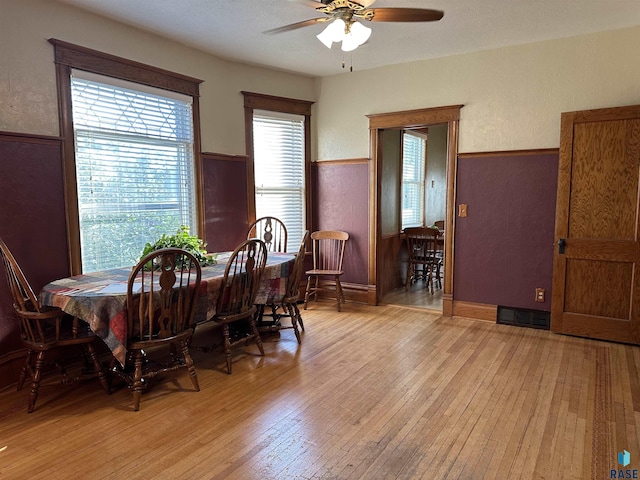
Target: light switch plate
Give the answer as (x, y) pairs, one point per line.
(462, 210)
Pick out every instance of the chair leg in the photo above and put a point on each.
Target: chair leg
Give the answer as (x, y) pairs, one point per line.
(429, 276)
(339, 293)
(26, 368)
(407, 284)
(190, 366)
(298, 316)
(294, 321)
(35, 381)
(274, 312)
(307, 293)
(137, 380)
(99, 369)
(259, 312)
(227, 346)
(256, 334)
(173, 353)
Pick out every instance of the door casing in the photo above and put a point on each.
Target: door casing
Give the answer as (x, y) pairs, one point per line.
(422, 118)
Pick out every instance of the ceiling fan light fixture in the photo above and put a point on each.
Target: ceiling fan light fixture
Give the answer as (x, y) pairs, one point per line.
(358, 34)
(335, 32)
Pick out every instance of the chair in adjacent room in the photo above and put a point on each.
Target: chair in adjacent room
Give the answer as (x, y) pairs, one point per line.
(161, 298)
(328, 255)
(439, 250)
(271, 231)
(43, 329)
(236, 301)
(423, 261)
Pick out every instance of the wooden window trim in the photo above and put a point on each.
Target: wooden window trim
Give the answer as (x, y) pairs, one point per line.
(68, 56)
(258, 101)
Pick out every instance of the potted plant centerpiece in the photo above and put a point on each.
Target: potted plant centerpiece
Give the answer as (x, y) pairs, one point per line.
(182, 239)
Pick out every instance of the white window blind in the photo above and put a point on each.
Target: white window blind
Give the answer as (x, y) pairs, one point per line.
(279, 166)
(413, 173)
(134, 167)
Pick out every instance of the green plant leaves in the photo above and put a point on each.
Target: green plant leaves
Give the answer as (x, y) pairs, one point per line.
(182, 239)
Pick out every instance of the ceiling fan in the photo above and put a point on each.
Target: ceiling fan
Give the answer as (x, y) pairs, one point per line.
(344, 27)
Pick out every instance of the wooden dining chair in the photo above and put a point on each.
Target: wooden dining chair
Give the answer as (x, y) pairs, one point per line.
(423, 260)
(328, 255)
(439, 224)
(236, 302)
(271, 231)
(289, 301)
(43, 329)
(161, 297)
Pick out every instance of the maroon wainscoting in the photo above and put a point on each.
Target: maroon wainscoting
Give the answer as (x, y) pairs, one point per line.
(32, 219)
(225, 201)
(504, 247)
(341, 202)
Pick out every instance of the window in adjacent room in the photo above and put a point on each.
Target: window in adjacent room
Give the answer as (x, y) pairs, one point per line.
(134, 159)
(413, 178)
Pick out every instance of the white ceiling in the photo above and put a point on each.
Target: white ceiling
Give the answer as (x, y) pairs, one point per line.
(233, 29)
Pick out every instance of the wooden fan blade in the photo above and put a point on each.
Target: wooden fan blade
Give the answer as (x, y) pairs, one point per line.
(294, 26)
(308, 3)
(401, 15)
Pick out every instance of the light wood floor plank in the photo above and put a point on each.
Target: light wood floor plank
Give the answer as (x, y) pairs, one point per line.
(372, 393)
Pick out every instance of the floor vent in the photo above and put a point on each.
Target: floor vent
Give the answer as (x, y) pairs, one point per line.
(523, 317)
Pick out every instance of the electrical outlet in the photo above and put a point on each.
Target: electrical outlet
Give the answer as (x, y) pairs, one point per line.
(540, 295)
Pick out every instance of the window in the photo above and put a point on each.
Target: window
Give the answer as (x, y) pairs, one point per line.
(131, 152)
(279, 161)
(279, 169)
(413, 177)
(134, 167)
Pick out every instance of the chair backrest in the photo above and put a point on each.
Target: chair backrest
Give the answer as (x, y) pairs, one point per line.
(161, 294)
(328, 249)
(38, 325)
(271, 231)
(24, 298)
(242, 278)
(439, 224)
(293, 281)
(421, 244)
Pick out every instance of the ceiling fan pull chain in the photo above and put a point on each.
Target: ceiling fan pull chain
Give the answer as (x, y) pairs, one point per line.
(344, 63)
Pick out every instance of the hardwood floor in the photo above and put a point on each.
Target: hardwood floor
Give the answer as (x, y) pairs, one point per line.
(417, 295)
(372, 393)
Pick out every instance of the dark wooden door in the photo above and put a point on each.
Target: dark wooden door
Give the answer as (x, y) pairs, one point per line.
(596, 281)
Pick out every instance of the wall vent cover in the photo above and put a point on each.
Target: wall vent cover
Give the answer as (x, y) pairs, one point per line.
(523, 317)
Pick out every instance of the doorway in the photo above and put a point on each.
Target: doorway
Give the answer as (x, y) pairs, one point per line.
(418, 159)
(386, 240)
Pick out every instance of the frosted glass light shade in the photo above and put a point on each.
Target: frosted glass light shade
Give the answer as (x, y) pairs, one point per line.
(356, 37)
(333, 33)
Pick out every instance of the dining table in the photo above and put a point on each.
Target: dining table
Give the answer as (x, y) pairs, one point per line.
(99, 298)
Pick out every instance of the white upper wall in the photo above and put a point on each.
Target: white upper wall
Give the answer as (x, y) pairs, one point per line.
(28, 98)
(512, 97)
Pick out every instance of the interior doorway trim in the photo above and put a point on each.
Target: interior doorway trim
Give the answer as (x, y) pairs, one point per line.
(448, 115)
